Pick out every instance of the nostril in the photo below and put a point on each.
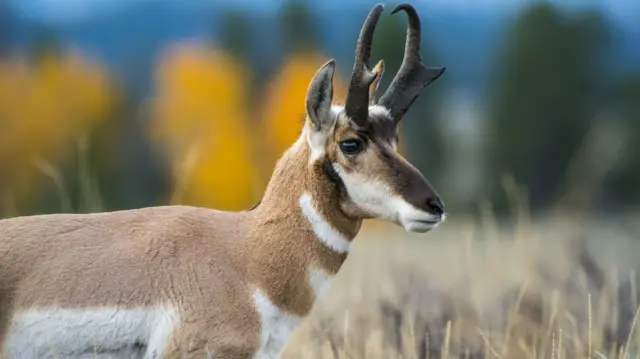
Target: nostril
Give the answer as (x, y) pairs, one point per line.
(436, 206)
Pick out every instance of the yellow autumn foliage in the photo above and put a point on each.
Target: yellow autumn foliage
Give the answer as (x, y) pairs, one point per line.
(44, 108)
(199, 116)
(284, 108)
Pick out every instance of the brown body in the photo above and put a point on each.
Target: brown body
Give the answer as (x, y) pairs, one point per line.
(175, 280)
(187, 256)
(129, 259)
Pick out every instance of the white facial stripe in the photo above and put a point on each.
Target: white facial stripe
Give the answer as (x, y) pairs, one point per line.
(381, 111)
(323, 229)
(336, 109)
(376, 198)
(38, 333)
(372, 196)
(341, 117)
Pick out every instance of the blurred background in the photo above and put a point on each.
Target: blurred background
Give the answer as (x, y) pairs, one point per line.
(108, 105)
(118, 104)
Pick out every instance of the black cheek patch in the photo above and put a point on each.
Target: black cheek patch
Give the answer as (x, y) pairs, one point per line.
(335, 178)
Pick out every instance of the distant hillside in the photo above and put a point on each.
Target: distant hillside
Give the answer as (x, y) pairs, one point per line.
(130, 39)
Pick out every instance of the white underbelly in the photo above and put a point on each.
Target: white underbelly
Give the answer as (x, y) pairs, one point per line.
(87, 333)
(124, 353)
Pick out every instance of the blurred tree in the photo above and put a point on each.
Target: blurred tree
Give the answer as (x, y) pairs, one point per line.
(421, 135)
(6, 18)
(299, 26)
(45, 106)
(283, 101)
(200, 118)
(46, 44)
(119, 162)
(388, 45)
(623, 184)
(545, 95)
(284, 106)
(236, 40)
(235, 34)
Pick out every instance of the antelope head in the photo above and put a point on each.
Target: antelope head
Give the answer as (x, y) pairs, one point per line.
(357, 142)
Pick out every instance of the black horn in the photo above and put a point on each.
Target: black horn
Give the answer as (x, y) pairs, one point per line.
(357, 103)
(413, 76)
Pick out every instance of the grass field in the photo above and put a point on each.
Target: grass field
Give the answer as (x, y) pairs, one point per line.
(479, 290)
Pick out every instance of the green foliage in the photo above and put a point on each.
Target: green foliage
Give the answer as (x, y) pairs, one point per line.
(545, 94)
(46, 44)
(5, 27)
(623, 184)
(236, 33)
(300, 29)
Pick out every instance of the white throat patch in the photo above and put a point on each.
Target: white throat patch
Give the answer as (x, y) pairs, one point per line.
(320, 281)
(277, 327)
(325, 232)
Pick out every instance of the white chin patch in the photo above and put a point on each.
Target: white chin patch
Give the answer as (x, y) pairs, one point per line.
(415, 220)
(419, 226)
(376, 198)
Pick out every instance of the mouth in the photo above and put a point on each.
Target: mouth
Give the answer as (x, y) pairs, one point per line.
(421, 226)
(427, 221)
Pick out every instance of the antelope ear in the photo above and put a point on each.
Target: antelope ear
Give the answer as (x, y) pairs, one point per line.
(373, 88)
(320, 96)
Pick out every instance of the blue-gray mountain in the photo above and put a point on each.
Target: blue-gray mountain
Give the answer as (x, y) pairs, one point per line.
(129, 40)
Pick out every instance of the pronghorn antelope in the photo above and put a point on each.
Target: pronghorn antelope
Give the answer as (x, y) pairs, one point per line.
(180, 281)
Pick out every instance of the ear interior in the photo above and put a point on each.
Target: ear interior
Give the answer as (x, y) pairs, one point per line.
(373, 88)
(320, 95)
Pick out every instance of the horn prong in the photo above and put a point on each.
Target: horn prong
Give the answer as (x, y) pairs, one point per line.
(412, 76)
(357, 103)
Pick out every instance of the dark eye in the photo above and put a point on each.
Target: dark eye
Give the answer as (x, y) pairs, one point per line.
(351, 147)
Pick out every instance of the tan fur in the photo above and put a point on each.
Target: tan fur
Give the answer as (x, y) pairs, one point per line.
(187, 256)
(279, 215)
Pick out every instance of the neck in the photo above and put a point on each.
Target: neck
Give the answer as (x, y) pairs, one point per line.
(300, 236)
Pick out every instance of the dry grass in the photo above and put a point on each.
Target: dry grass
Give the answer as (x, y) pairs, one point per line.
(468, 291)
